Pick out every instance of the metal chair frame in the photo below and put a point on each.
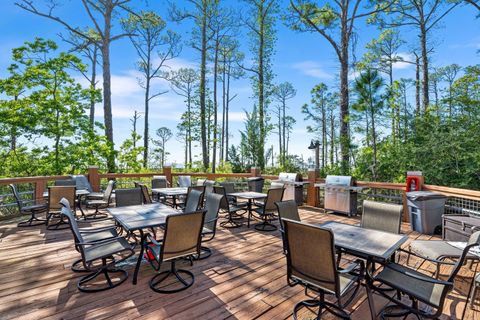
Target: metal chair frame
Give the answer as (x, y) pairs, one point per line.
(33, 210)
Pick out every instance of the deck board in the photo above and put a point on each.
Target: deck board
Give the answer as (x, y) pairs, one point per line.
(245, 278)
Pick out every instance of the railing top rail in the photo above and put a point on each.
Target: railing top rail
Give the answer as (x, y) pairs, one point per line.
(5, 181)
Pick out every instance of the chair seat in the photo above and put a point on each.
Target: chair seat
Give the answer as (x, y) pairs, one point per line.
(398, 277)
(98, 251)
(260, 211)
(233, 208)
(346, 281)
(34, 207)
(437, 249)
(95, 195)
(100, 235)
(96, 202)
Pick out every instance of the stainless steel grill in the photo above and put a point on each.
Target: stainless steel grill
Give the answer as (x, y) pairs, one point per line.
(340, 194)
(293, 183)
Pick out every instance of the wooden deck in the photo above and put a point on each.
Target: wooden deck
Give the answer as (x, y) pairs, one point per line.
(245, 278)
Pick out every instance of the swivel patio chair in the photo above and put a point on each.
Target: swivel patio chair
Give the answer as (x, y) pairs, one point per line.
(209, 186)
(109, 251)
(311, 263)
(33, 210)
(382, 216)
(286, 210)
(65, 183)
(182, 239)
(194, 200)
(145, 194)
(184, 181)
(88, 235)
(231, 209)
(159, 182)
(55, 220)
(267, 211)
(229, 188)
(212, 206)
(101, 204)
(128, 197)
(418, 287)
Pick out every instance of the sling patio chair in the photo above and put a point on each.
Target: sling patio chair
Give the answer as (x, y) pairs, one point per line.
(382, 216)
(230, 208)
(88, 235)
(108, 251)
(145, 193)
(268, 209)
(184, 181)
(212, 207)
(200, 182)
(66, 183)
(182, 239)
(55, 220)
(101, 204)
(416, 286)
(159, 182)
(311, 263)
(194, 199)
(286, 210)
(33, 209)
(229, 188)
(128, 197)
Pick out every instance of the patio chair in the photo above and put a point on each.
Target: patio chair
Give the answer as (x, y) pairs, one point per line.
(382, 216)
(145, 194)
(437, 252)
(231, 209)
(182, 239)
(55, 194)
(212, 206)
(33, 210)
(209, 186)
(229, 188)
(159, 182)
(415, 285)
(128, 197)
(82, 183)
(109, 251)
(184, 181)
(102, 203)
(286, 210)
(311, 263)
(194, 200)
(88, 235)
(255, 184)
(181, 201)
(66, 183)
(267, 211)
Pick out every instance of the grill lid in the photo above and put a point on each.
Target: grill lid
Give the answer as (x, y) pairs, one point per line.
(339, 180)
(289, 177)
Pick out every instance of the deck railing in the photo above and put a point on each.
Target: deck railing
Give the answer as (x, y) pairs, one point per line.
(459, 200)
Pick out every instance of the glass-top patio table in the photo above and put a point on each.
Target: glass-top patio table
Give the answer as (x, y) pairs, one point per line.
(140, 217)
(171, 192)
(250, 196)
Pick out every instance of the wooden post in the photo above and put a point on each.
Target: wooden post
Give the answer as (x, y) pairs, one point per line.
(167, 172)
(94, 178)
(40, 187)
(255, 172)
(312, 194)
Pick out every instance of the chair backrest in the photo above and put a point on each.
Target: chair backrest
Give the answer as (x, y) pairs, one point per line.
(82, 183)
(16, 195)
(273, 195)
(56, 193)
(382, 216)
(107, 195)
(209, 186)
(201, 182)
(65, 210)
(311, 255)
(212, 205)
(276, 185)
(182, 235)
(229, 186)
(184, 181)
(146, 195)
(224, 205)
(159, 182)
(287, 210)
(67, 182)
(473, 241)
(128, 197)
(194, 200)
(255, 185)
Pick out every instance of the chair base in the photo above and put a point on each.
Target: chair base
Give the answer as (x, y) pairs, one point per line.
(60, 225)
(82, 285)
(30, 222)
(204, 253)
(265, 226)
(230, 223)
(321, 305)
(393, 311)
(159, 278)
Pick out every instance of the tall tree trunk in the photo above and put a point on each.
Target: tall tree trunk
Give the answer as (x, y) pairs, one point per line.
(107, 93)
(189, 128)
(93, 84)
(324, 135)
(203, 70)
(146, 128)
(417, 83)
(344, 107)
(332, 137)
(374, 143)
(280, 150)
(215, 107)
(425, 84)
(261, 100)
(222, 143)
(227, 111)
(284, 132)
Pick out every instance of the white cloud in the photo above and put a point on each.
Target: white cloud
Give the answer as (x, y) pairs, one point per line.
(408, 58)
(312, 69)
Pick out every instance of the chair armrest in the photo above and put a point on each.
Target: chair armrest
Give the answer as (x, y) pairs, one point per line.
(426, 258)
(357, 264)
(412, 275)
(154, 241)
(105, 241)
(213, 220)
(93, 230)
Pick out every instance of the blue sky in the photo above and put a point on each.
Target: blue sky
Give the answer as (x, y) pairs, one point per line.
(301, 58)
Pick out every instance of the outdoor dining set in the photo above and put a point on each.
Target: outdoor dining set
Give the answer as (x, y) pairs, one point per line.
(169, 227)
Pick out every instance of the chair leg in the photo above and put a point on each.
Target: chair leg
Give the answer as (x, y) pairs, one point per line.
(265, 225)
(160, 277)
(204, 253)
(30, 222)
(83, 285)
(60, 225)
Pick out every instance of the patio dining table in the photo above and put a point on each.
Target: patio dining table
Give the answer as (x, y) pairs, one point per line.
(140, 217)
(250, 196)
(171, 192)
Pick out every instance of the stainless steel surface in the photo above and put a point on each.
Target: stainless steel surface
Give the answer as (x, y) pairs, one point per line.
(340, 194)
(293, 184)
